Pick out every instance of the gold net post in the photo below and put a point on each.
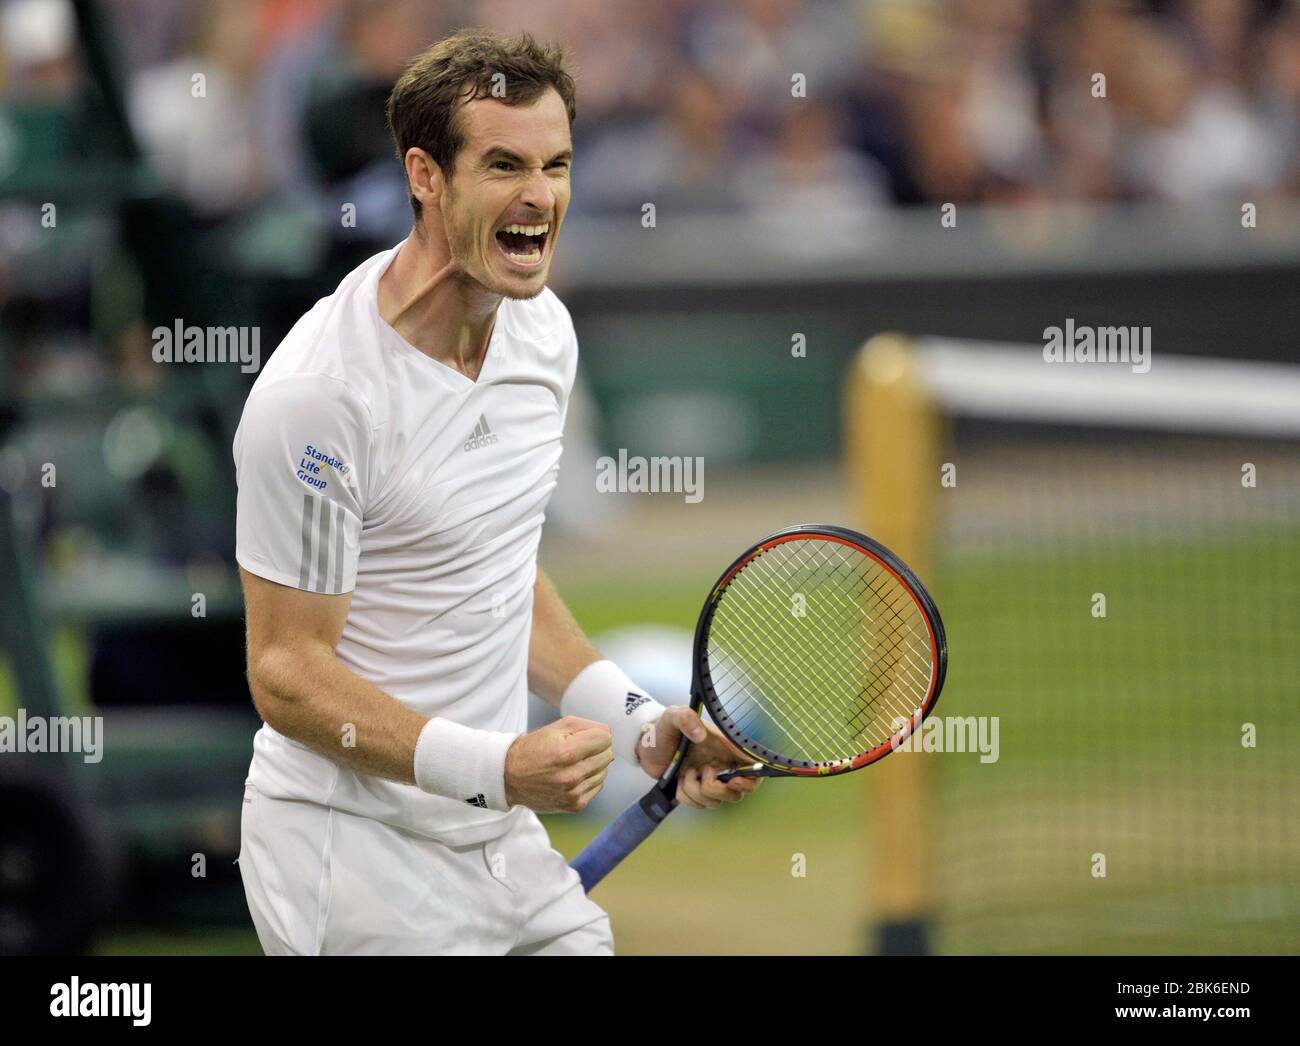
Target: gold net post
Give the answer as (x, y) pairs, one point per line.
(892, 440)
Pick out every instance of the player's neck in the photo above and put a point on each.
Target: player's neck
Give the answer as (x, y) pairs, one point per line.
(436, 307)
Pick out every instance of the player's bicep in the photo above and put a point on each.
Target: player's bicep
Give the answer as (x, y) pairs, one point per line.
(280, 615)
(287, 629)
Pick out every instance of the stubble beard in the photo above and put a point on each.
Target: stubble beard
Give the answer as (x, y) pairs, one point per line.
(462, 246)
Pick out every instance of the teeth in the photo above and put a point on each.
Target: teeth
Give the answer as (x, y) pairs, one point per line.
(528, 230)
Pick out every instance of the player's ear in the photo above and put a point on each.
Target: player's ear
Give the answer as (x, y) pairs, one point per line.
(424, 177)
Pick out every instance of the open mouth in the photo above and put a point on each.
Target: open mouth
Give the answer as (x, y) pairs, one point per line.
(524, 244)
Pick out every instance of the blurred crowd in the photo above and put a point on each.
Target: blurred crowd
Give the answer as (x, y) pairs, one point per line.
(722, 105)
(264, 117)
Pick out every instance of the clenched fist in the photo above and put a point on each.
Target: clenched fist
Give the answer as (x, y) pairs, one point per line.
(559, 768)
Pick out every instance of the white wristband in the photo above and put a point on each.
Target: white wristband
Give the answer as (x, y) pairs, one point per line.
(602, 692)
(460, 762)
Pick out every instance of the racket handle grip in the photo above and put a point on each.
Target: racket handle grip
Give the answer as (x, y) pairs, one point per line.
(620, 837)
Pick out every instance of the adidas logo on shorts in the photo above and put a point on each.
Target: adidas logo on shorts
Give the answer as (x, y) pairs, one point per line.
(482, 436)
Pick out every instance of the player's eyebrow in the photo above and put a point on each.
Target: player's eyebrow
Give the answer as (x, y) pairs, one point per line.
(500, 152)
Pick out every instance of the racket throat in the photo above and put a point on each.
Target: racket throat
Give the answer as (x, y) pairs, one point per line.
(756, 770)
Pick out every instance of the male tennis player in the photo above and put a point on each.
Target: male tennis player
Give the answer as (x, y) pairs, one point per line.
(394, 461)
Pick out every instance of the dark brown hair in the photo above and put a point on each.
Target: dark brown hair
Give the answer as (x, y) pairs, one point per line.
(422, 110)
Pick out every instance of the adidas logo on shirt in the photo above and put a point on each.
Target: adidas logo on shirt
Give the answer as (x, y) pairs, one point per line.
(482, 436)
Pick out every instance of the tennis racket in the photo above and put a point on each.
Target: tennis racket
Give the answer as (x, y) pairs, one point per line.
(817, 653)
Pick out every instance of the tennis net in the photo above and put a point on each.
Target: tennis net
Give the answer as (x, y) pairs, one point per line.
(1117, 559)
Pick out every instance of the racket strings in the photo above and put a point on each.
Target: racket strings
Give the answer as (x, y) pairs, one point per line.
(815, 723)
(817, 651)
(848, 737)
(912, 647)
(819, 730)
(897, 652)
(900, 650)
(890, 660)
(778, 670)
(806, 727)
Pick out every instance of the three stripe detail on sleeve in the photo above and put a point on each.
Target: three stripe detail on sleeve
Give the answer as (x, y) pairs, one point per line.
(323, 533)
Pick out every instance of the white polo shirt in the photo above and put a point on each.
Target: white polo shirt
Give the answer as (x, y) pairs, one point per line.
(365, 466)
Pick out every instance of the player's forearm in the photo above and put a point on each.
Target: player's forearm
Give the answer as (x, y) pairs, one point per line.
(567, 671)
(559, 649)
(308, 696)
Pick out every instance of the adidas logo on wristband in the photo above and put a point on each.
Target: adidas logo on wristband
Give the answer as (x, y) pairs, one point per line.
(634, 701)
(479, 800)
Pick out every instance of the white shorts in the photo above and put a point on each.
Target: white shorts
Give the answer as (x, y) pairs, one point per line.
(322, 882)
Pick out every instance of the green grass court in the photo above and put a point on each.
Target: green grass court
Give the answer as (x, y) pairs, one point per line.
(1119, 735)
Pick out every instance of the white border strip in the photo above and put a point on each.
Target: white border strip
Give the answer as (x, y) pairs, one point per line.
(1014, 382)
